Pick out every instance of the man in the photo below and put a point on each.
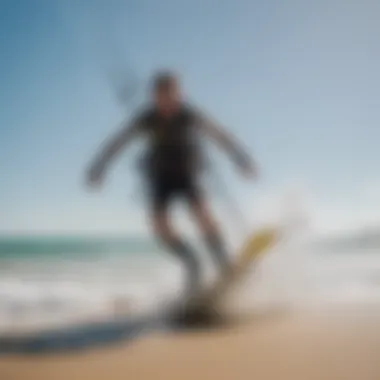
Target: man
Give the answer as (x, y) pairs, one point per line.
(172, 167)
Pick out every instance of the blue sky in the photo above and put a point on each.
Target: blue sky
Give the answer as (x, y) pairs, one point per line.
(297, 81)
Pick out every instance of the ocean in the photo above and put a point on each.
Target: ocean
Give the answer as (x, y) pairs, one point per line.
(46, 281)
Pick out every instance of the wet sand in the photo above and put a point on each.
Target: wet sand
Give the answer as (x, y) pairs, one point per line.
(336, 345)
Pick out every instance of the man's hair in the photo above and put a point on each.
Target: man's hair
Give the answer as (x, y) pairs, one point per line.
(162, 80)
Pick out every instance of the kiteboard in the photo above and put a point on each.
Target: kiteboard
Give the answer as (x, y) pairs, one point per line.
(254, 248)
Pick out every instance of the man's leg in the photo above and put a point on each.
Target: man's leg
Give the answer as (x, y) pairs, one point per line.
(210, 230)
(169, 238)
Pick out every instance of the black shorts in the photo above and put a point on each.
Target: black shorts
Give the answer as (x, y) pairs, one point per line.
(165, 188)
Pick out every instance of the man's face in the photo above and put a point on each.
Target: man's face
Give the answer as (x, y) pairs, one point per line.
(167, 98)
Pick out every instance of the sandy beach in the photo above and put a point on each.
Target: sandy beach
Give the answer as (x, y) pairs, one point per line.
(336, 345)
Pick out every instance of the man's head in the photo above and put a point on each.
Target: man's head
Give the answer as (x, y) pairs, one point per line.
(166, 91)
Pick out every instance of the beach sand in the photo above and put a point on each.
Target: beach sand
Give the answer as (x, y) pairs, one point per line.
(344, 344)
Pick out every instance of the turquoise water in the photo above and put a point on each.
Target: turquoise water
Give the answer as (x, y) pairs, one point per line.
(54, 246)
(38, 246)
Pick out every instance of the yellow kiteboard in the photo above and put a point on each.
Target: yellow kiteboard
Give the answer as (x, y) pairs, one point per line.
(255, 247)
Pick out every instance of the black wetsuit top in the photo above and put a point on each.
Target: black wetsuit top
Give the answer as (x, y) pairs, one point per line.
(174, 145)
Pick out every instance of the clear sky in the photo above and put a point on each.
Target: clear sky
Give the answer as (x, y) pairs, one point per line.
(297, 81)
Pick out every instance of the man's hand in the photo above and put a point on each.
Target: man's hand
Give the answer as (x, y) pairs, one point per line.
(249, 171)
(94, 177)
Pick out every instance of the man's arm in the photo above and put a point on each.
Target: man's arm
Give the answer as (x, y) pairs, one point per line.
(226, 141)
(112, 148)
